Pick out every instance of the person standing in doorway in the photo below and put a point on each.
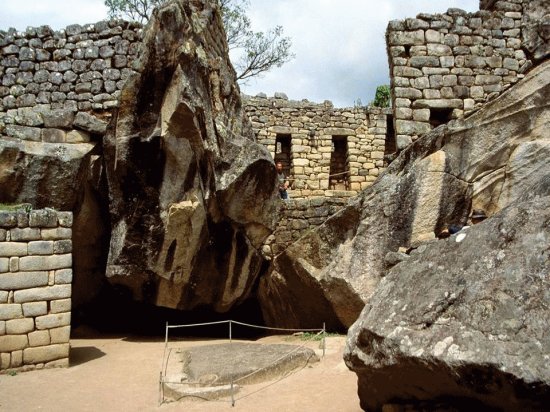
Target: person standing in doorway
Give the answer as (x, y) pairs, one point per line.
(282, 181)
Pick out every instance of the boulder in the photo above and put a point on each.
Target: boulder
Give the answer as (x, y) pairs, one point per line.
(462, 324)
(192, 196)
(484, 161)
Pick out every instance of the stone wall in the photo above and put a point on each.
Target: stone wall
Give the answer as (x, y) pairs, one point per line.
(311, 130)
(299, 216)
(35, 288)
(52, 81)
(445, 66)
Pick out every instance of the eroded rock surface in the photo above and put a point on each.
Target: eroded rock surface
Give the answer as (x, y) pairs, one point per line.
(464, 321)
(192, 196)
(485, 162)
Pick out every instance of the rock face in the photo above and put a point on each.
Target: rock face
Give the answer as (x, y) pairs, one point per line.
(192, 196)
(330, 273)
(464, 321)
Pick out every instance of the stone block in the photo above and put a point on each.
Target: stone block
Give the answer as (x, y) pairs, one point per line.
(409, 127)
(63, 276)
(40, 338)
(450, 80)
(60, 335)
(403, 113)
(5, 360)
(65, 219)
(407, 92)
(77, 136)
(43, 293)
(433, 36)
(57, 233)
(447, 61)
(439, 50)
(25, 234)
(89, 123)
(424, 61)
(53, 320)
(60, 305)
(23, 132)
(58, 119)
(4, 296)
(510, 64)
(2, 327)
(8, 219)
(19, 326)
(13, 248)
(485, 79)
(10, 343)
(32, 263)
(421, 115)
(53, 135)
(438, 104)
(4, 265)
(23, 280)
(35, 309)
(14, 264)
(431, 94)
(45, 353)
(16, 359)
(3, 233)
(10, 311)
(405, 71)
(63, 246)
(477, 92)
(406, 38)
(41, 247)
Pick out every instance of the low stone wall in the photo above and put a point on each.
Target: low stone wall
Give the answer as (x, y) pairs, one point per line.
(311, 130)
(51, 81)
(299, 216)
(444, 66)
(35, 288)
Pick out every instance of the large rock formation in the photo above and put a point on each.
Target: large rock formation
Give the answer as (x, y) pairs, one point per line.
(192, 197)
(463, 323)
(485, 161)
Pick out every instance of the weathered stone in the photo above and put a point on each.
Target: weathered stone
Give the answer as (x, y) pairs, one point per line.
(43, 218)
(57, 233)
(44, 293)
(10, 343)
(40, 338)
(60, 118)
(41, 247)
(62, 305)
(63, 246)
(24, 234)
(13, 249)
(63, 276)
(89, 123)
(60, 335)
(53, 320)
(19, 326)
(45, 353)
(10, 311)
(30, 263)
(33, 309)
(23, 280)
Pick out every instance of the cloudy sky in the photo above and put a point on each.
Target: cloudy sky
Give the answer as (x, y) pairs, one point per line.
(339, 44)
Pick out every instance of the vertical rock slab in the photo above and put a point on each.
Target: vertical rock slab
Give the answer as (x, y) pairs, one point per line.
(192, 196)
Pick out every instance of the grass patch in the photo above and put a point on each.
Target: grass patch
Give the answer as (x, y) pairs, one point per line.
(11, 207)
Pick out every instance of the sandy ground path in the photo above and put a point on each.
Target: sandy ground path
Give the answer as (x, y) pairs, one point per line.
(122, 374)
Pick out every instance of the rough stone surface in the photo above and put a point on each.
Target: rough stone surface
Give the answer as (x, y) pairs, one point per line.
(192, 196)
(331, 272)
(474, 333)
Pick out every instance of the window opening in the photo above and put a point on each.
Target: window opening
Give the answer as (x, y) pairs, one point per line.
(439, 116)
(283, 151)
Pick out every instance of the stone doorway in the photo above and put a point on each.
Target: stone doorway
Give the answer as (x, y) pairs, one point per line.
(339, 164)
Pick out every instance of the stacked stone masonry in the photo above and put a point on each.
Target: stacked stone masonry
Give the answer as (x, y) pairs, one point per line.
(298, 217)
(326, 151)
(444, 66)
(35, 288)
(60, 86)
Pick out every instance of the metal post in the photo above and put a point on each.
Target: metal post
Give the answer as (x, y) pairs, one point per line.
(233, 360)
(324, 339)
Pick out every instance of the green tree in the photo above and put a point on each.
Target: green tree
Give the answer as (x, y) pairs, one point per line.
(258, 52)
(382, 97)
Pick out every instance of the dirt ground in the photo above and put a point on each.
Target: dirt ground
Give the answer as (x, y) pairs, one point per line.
(122, 374)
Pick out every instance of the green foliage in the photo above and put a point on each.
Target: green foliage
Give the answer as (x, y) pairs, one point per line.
(259, 51)
(9, 207)
(134, 10)
(382, 96)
